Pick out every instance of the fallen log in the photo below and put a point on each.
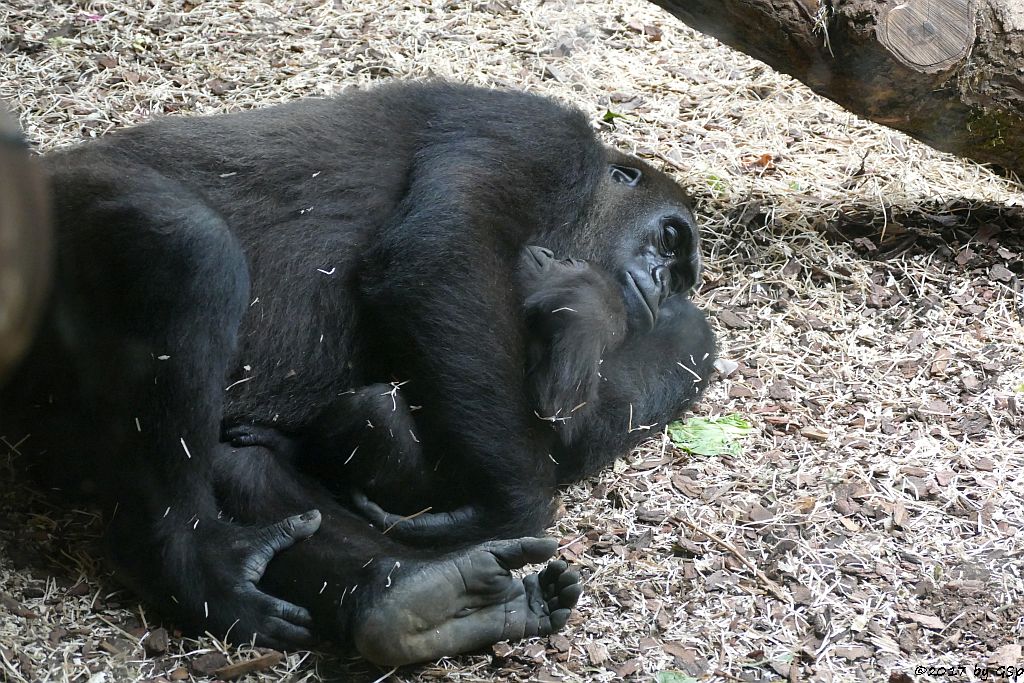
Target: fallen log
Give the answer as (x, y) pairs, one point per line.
(947, 72)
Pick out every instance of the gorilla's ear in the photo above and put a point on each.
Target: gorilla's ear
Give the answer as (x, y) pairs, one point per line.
(627, 175)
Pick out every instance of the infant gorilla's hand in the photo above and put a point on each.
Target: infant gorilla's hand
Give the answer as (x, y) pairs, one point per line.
(575, 313)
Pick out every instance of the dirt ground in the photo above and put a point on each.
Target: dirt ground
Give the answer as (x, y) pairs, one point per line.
(865, 286)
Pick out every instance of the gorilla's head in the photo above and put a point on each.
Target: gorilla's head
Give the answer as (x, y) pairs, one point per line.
(640, 229)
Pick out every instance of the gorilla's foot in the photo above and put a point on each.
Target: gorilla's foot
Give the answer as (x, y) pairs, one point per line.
(467, 601)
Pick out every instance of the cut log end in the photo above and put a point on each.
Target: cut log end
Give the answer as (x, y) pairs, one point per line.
(928, 35)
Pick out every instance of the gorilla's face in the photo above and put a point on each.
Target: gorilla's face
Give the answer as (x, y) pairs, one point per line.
(646, 237)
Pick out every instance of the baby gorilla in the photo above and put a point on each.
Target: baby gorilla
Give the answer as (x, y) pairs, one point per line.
(365, 446)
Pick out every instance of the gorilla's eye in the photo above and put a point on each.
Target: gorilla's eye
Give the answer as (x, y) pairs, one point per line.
(627, 175)
(669, 239)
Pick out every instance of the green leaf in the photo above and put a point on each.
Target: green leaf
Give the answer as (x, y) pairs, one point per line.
(610, 116)
(1020, 387)
(710, 436)
(718, 186)
(673, 677)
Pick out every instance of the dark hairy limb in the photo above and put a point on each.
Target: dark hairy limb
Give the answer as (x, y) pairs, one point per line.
(397, 605)
(574, 315)
(479, 407)
(151, 288)
(365, 441)
(369, 440)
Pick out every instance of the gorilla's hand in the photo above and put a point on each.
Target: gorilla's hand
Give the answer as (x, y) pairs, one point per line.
(258, 436)
(575, 313)
(421, 528)
(211, 574)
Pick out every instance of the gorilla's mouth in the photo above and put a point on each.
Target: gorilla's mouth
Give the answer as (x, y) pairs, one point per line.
(639, 295)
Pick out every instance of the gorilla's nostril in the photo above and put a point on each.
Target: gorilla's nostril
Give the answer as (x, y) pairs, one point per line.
(661, 276)
(541, 256)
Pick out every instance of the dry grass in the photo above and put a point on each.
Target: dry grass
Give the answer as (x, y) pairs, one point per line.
(859, 279)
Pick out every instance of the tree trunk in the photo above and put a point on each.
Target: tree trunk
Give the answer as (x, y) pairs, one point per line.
(24, 245)
(947, 72)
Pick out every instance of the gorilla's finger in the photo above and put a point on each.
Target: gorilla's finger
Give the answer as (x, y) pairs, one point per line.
(292, 613)
(276, 537)
(438, 521)
(540, 256)
(238, 436)
(414, 527)
(284, 634)
(551, 573)
(568, 578)
(250, 436)
(367, 508)
(559, 618)
(568, 597)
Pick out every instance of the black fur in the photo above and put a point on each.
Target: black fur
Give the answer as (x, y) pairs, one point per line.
(253, 268)
(575, 319)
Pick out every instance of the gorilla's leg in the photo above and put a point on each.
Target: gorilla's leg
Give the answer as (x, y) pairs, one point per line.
(465, 601)
(151, 288)
(645, 383)
(366, 440)
(396, 604)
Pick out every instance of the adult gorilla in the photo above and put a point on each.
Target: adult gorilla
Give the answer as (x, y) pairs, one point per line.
(290, 254)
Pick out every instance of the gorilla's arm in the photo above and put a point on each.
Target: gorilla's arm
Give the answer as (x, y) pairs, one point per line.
(646, 382)
(639, 385)
(365, 440)
(442, 282)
